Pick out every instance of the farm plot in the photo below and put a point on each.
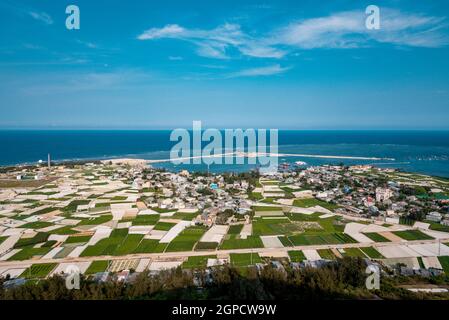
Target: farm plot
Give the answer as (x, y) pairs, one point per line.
(235, 243)
(186, 240)
(353, 252)
(197, 262)
(326, 254)
(411, 235)
(376, 237)
(38, 271)
(245, 259)
(147, 246)
(106, 246)
(372, 253)
(296, 256)
(97, 266)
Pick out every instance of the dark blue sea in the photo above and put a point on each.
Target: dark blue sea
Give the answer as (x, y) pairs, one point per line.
(415, 151)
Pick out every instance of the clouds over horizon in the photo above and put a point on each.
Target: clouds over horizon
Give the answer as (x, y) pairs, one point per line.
(342, 30)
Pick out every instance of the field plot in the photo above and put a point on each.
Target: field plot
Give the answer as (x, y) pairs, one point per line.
(186, 240)
(317, 239)
(265, 227)
(312, 202)
(38, 271)
(106, 246)
(29, 253)
(245, 259)
(376, 237)
(326, 254)
(147, 246)
(197, 262)
(97, 266)
(372, 253)
(411, 235)
(353, 252)
(235, 243)
(444, 261)
(206, 246)
(296, 256)
(129, 245)
(145, 220)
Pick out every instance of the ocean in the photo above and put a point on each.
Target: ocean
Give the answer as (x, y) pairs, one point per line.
(414, 151)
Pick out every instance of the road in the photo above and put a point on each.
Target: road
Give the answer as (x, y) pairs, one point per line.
(171, 256)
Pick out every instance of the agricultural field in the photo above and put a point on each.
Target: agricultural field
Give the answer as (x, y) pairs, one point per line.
(97, 266)
(39, 271)
(237, 243)
(353, 252)
(372, 253)
(376, 237)
(444, 263)
(296, 256)
(326, 254)
(245, 259)
(411, 235)
(197, 262)
(186, 240)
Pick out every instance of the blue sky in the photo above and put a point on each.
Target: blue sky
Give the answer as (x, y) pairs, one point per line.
(281, 64)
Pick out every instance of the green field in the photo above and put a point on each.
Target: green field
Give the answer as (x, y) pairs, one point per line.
(316, 239)
(164, 226)
(312, 202)
(354, 253)
(437, 226)
(262, 227)
(296, 256)
(411, 235)
(78, 239)
(206, 246)
(27, 253)
(197, 262)
(444, 263)
(376, 237)
(38, 238)
(326, 254)
(95, 221)
(245, 259)
(129, 245)
(106, 246)
(145, 220)
(97, 266)
(66, 230)
(235, 243)
(235, 229)
(147, 246)
(185, 216)
(36, 225)
(372, 253)
(38, 270)
(186, 240)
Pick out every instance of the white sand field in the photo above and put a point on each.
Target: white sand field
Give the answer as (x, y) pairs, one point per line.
(101, 232)
(66, 266)
(9, 254)
(140, 229)
(399, 251)
(430, 249)
(162, 265)
(143, 265)
(311, 255)
(436, 234)
(53, 252)
(175, 231)
(431, 262)
(9, 243)
(247, 230)
(12, 272)
(215, 234)
(77, 251)
(271, 242)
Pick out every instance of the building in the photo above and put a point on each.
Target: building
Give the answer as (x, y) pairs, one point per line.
(383, 194)
(434, 216)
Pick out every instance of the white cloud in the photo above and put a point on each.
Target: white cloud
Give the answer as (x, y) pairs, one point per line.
(342, 30)
(41, 16)
(262, 71)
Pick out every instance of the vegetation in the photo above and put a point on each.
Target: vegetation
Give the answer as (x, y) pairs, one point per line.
(296, 256)
(97, 266)
(411, 235)
(376, 237)
(342, 279)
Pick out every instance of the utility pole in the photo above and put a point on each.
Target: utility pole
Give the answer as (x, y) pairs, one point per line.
(49, 161)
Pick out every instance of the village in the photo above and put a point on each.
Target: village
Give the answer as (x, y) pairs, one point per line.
(114, 219)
